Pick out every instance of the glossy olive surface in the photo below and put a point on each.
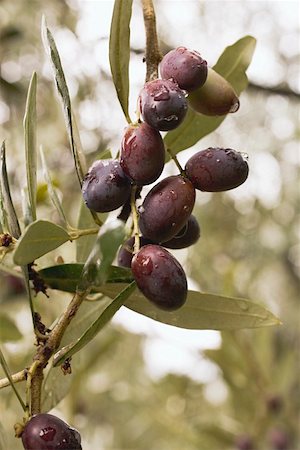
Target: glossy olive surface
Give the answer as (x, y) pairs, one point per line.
(186, 67)
(162, 104)
(217, 169)
(105, 187)
(187, 236)
(160, 277)
(48, 432)
(166, 208)
(125, 253)
(142, 154)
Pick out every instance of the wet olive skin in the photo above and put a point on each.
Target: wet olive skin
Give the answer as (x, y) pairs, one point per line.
(160, 277)
(142, 154)
(162, 104)
(125, 253)
(215, 98)
(187, 236)
(48, 432)
(166, 208)
(105, 187)
(186, 67)
(217, 169)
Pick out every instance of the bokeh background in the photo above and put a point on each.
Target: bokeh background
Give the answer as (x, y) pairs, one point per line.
(141, 385)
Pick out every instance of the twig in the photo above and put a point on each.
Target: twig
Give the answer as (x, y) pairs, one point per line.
(135, 220)
(153, 54)
(47, 349)
(16, 378)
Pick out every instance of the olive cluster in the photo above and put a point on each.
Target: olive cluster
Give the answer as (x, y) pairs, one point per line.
(48, 432)
(165, 216)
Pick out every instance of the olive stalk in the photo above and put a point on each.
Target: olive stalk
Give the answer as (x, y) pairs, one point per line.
(153, 54)
(46, 349)
(136, 231)
(175, 159)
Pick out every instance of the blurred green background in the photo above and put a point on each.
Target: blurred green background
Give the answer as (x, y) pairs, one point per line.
(140, 385)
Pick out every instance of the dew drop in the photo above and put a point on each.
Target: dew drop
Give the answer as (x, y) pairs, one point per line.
(47, 434)
(245, 156)
(162, 95)
(170, 118)
(173, 194)
(235, 106)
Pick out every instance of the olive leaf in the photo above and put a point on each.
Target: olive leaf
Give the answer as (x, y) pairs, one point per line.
(30, 145)
(65, 277)
(232, 65)
(39, 238)
(202, 311)
(95, 270)
(64, 95)
(6, 200)
(119, 51)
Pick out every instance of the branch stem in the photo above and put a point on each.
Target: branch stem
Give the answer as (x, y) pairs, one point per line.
(153, 54)
(136, 231)
(174, 157)
(16, 378)
(47, 349)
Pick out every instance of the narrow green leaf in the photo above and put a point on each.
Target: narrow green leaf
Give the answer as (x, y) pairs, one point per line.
(3, 216)
(83, 320)
(96, 268)
(232, 65)
(8, 374)
(39, 238)
(119, 51)
(10, 213)
(51, 189)
(65, 277)
(30, 144)
(63, 92)
(201, 311)
(8, 329)
(97, 325)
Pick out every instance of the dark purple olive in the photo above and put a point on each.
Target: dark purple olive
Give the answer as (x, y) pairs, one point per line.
(215, 98)
(166, 208)
(186, 67)
(244, 442)
(162, 104)
(160, 277)
(125, 253)
(279, 439)
(187, 236)
(217, 169)
(48, 432)
(142, 154)
(105, 187)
